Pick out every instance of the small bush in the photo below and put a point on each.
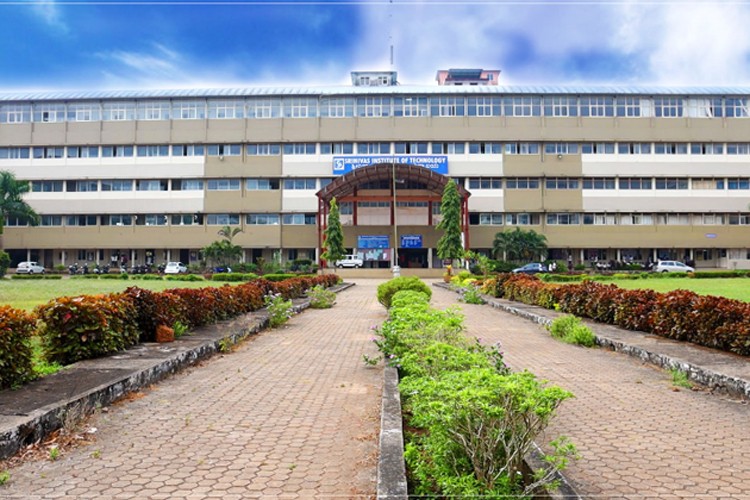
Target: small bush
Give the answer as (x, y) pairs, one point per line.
(569, 329)
(279, 310)
(470, 294)
(389, 288)
(115, 276)
(321, 298)
(16, 328)
(4, 262)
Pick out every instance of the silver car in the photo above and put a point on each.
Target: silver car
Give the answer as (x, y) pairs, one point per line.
(29, 268)
(672, 266)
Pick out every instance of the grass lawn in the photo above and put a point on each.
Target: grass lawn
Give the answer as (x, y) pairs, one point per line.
(732, 288)
(27, 294)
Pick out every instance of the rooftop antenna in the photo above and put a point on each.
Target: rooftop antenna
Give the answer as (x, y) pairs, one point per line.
(390, 29)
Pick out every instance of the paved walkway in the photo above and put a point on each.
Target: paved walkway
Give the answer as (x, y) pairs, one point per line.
(637, 436)
(293, 413)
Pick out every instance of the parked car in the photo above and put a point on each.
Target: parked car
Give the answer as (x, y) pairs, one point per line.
(350, 261)
(175, 268)
(672, 266)
(29, 268)
(531, 268)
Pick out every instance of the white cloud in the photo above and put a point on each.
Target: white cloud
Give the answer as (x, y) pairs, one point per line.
(49, 12)
(631, 42)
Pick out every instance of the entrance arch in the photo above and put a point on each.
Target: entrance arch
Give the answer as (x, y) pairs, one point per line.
(354, 186)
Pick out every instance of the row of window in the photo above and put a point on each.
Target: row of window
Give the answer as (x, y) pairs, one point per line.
(167, 219)
(605, 219)
(90, 185)
(377, 106)
(607, 183)
(376, 148)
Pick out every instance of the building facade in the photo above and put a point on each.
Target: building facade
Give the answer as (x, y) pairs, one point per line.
(629, 174)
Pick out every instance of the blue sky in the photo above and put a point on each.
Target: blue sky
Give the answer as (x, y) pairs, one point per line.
(166, 44)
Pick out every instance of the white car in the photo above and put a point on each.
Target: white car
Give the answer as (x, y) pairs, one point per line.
(29, 268)
(175, 268)
(672, 266)
(350, 261)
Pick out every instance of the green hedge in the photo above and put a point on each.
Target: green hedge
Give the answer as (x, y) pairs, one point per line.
(36, 277)
(389, 288)
(16, 328)
(232, 277)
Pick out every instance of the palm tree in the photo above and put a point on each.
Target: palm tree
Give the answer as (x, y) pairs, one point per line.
(518, 245)
(228, 232)
(11, 200)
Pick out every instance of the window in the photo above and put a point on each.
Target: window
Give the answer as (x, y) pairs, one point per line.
(598, 148)
(521, 183)
(597, 106)
(46, 186)
(560, 106)
(15, 113)
(14, 153)
(373, 148)
(707, 183)
(188, 150)
(451, 148)
(710, 219)
(261, 184)
(484, 106)
(81, 186)
(117, 151)
(263, 149)
(599, 183)
(411, 204)
(736, 184)
(262, 219)
(49, 113)
(706, 148)
(151, 220)
(373, 204)
(224, 150)
(223, 184)
(189, 110)
(152, 151)
(485, 148)
(521, 219)
(117, 185)
(299, 184)
(153, 110)
(485, 183)
(561, 183)
(50, 152)
(522, 148)
(151, 185)
(670, 148)
(560, 148)
(634, 148)
(337, 107)
(264, 108)
(84, 112)
(636, 220)
(671, 183)
(118, 111)
(410, 148)
(186, 220)
(736, 107)
(491, 219)
(300, 107)
(226, 109)
(223, 219)
(739, 219)
(373, 106)
(738, 148)
(522, 106)
(599, 219)
(187, 185)
(80, 220)
(628, 106)
(299, 148)
(346, 208)
(409, 106)
(635, 183)
(13, 221)
(299, 219)
(83, 151)
(117, 220)
(336, 148)
(447, 106)
(668, 107)
(563, 219)
(678, 219)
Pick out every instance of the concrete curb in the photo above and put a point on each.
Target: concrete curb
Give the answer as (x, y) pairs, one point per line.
(391, 467)
(29, 427)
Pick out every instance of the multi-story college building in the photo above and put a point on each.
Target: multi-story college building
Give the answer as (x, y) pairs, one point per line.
(606, 173)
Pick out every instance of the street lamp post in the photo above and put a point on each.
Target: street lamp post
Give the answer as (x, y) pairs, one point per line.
(396, 267)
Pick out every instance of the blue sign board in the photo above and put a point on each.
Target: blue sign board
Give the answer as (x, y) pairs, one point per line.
(373, 241)
(345, 164)
(411, 241)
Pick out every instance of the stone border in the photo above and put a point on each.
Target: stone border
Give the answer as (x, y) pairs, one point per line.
(42, 421)
(391, 467)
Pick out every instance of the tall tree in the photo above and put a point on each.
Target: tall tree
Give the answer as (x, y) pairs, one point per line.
(450, 245)
(519, 245)
(11, 200)
(229, 232)
(333, 243)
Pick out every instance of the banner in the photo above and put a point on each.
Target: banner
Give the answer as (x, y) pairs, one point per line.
(345, 164)
(411, 241)
(373, 241)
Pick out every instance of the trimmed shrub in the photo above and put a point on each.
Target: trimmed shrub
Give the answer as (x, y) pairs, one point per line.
(154, 309)
(76, 328)
(389, 288)
(184, 277)
(4, 262)
(278, 276)
(16, 328)
(233, 277)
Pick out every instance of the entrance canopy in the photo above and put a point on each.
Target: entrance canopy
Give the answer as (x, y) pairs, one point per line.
(347, 184)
